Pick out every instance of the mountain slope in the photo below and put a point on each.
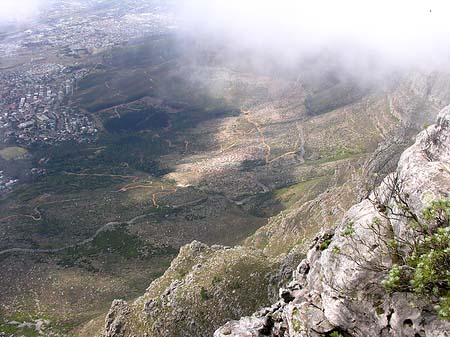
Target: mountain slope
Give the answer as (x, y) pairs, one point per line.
(200, 278)
(337, 289)
(319, 190)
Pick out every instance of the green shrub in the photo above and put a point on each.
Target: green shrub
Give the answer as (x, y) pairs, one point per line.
(349, 230)
(431, 262)
(438, 213)
(324, 245)
(336, 250)
(392, 282)
(204, 294)
(427, 268)
(443, 308)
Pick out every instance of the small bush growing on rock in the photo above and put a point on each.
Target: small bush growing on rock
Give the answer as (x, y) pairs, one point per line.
(438, 212)
(420, 261)
(427, 267)
(349, 230)
(297, 324)
(336, 250)
(204, 294)
(443, 308)
(392, 282)
(324, 245)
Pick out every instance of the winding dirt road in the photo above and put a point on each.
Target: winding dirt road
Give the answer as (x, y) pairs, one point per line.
(106, 227)
(37, 211)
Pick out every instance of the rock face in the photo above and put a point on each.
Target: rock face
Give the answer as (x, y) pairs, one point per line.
(203, 288)
(336, 290)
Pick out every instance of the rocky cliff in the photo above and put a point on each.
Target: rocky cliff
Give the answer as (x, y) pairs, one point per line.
(208, 286)
(337, 290)
(203, 287)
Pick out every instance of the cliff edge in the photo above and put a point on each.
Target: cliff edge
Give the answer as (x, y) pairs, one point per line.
(384, 271)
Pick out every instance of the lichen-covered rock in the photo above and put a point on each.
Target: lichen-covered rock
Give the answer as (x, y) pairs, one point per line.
(203, 288)
(337, 287)
(115, 320)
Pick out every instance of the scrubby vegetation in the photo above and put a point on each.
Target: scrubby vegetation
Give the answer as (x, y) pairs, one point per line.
(427, 267)
(418, 260)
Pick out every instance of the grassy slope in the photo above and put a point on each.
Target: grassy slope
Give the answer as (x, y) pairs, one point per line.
(202, 103)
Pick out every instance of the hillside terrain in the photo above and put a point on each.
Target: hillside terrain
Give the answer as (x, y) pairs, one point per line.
(377, 273)
(348, 284)
(278, 161)
(166, 180)
(193, 146)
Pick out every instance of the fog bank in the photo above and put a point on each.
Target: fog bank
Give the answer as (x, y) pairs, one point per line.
(400, 33)
(19, 11)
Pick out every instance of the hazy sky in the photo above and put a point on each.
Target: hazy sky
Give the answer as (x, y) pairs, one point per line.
(19, 10)
(401, 31)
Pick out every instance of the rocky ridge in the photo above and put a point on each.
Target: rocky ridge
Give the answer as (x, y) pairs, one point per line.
(322, 204)
(335, 290)
(200, 278)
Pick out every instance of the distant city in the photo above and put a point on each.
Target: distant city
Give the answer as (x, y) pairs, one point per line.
(35, 107)
(41, 63)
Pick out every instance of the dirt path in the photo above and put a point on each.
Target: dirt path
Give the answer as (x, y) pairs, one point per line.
(37, 211)
(102, 175)
(130, 187)
(156, 195)
(106, 227)
(262, 137)
(299, 148)
(122, 189)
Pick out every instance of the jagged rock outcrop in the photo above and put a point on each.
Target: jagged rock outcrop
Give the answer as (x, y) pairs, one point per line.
(203, 288)
(330, 292)
(337, 288)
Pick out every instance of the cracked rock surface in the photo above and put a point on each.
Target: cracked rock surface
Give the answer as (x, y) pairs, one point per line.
(336, 289)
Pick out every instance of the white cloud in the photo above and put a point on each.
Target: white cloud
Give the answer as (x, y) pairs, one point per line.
(401, 31)
(19, 10)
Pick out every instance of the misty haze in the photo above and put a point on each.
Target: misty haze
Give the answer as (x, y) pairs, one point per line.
(199, 168)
